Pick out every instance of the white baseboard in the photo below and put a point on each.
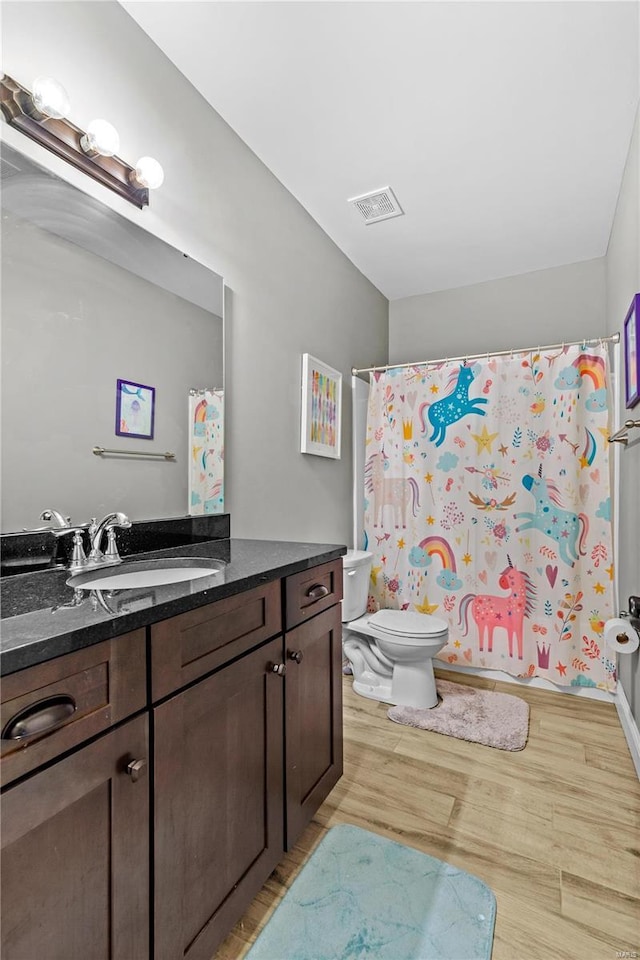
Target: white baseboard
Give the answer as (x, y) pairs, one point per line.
(591, 693)
(629, 726)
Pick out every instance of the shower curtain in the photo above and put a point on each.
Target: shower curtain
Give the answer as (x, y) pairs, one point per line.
(487, 504)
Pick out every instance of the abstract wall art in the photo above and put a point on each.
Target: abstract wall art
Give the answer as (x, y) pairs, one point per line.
(321, 408)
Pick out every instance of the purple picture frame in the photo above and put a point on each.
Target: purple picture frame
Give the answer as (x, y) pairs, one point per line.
(631, 334)
(135, 409)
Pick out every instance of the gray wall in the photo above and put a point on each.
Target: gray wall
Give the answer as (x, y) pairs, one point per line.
(546, 306)
(290, 289)
(623, 281)
(72, 324)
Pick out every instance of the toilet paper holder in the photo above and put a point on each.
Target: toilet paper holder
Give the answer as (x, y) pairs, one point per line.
(632, 615)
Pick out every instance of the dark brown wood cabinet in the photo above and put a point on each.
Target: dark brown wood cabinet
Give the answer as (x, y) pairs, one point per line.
(75, 855)
(219, 796)
(240, 700)
(313, 717)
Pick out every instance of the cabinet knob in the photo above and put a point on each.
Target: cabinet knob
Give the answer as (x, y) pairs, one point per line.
(278, 668)
(136, 769)
(295, 655)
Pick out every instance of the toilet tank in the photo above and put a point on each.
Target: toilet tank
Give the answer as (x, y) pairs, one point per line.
(355, 584)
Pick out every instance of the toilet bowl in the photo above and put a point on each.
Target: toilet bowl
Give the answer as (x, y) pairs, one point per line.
(390, 651)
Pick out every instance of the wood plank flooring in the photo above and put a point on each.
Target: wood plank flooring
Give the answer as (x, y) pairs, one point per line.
(554, 830)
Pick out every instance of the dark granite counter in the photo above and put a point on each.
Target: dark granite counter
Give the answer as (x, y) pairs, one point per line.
(43, 618)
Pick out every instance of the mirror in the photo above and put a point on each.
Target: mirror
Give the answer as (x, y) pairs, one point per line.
(90, 298)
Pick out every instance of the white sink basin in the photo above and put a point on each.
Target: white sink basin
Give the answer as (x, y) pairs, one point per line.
(147, 573)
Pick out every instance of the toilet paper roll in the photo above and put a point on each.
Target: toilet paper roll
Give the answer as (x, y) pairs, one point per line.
(620, 636)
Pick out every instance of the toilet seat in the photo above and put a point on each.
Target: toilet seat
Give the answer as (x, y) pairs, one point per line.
(408, 626)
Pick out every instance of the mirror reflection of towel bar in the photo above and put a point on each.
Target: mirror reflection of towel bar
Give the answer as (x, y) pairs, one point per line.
(101, 451)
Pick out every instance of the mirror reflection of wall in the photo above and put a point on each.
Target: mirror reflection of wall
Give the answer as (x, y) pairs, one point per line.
(73, 323)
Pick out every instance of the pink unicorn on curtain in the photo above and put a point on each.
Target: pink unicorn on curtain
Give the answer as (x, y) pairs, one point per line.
(509, 612)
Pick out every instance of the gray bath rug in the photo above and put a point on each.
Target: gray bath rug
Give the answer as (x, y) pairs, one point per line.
(468, 713)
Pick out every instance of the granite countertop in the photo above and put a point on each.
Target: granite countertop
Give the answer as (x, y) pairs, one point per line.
(43, 618)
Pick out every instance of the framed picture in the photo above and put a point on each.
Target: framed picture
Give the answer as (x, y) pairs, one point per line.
(631, 357)
(135, 409)
(321, 408)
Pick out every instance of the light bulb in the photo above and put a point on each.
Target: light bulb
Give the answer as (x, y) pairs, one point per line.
(102, 138)
(149, 173)
(50, 98)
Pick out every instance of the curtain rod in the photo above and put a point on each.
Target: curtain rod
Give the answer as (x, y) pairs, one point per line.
(614, 338)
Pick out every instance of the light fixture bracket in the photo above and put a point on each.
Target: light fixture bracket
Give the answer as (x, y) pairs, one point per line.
(63, 138)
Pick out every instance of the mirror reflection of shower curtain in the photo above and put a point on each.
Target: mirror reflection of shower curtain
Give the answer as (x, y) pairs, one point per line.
(206, 451)
(488, 504)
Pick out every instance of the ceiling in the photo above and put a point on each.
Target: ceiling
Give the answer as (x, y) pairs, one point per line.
(502, 128)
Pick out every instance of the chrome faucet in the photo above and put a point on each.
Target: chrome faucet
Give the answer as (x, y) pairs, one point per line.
(79, 561)
(96, 533)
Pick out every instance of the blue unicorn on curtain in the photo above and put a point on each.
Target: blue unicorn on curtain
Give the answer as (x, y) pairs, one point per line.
(563, 526)
(451, 408)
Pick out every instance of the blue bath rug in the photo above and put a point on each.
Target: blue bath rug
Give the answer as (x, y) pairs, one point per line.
(363, 897)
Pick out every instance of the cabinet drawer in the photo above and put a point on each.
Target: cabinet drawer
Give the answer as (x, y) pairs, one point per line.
(192, 644)
(312, 591)
(68, 700)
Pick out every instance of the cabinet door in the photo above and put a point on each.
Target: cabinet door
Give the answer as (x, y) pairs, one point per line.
(313, 724)
(219, 801)
(75, 855)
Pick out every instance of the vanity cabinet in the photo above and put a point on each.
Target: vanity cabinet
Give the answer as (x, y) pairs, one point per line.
(243, 755)
(313, 692)
(75, 825)
(218, 810)
(240, 700)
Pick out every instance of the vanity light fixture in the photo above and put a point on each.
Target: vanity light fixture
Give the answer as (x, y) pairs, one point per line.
(41, 115)
(50, 98)
(101, 139)
(148, 173)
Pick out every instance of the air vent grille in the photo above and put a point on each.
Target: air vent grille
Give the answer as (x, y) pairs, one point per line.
(379, 205)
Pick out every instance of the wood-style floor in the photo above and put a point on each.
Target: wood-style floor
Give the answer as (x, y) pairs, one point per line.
(554, 830)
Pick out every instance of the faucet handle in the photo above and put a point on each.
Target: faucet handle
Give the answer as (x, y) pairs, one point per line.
(111, 553)
(63, 531)
(78, 560)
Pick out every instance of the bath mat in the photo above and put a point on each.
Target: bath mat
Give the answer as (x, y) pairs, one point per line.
(363, 897)
(482, 716)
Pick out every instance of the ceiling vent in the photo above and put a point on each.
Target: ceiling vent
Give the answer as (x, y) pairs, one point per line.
(379, 205)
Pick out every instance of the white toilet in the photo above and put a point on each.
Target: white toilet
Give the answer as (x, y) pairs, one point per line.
(390, 651)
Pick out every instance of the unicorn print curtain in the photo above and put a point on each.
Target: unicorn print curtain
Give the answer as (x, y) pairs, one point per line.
(206, 446)
(487, 503)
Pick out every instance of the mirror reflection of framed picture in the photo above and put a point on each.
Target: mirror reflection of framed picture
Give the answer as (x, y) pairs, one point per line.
(135, 409)
(631, 357)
